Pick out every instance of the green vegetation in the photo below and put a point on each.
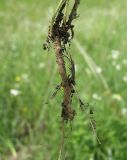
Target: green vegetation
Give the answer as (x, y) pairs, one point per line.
(29, 128)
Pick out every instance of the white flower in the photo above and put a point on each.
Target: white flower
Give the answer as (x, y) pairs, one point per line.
(125, 78)
(98, 70)
(96, 97)
(124, 111)
(118, 67)
(115, 54)
(117, 97)
(15, 92)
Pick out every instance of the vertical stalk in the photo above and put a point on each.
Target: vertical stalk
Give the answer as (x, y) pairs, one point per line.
(67, 112)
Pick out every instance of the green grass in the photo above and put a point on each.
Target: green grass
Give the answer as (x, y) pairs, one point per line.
(29, 128)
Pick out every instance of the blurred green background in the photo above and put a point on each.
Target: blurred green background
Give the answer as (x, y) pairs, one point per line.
(31, 129)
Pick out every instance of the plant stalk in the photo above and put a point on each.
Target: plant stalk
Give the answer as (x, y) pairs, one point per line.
(67, 112)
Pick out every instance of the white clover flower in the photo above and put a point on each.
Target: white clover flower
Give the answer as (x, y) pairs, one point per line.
(98, 70)
(125, 78)
(117, 97)
(97, 97)
(15, 92)
(115, 54)
(118, 67)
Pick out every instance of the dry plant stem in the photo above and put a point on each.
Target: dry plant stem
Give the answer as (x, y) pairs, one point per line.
(67, 112)
(60, 60)
(60, 34)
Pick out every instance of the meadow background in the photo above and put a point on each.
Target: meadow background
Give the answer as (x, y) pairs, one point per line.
(29, 128)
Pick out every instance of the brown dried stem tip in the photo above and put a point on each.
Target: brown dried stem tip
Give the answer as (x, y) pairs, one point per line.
(60, 34)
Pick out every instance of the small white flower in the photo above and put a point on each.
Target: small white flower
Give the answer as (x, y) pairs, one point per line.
(96, 97)
(15, 92)
(115, 54)
(41, 65)
(125, 78)
(117, 97)
(98, 70)
(124, 111)
(125, 61)
(118, 67)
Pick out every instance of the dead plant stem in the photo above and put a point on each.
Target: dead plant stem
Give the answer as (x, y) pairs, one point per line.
(66, 104)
